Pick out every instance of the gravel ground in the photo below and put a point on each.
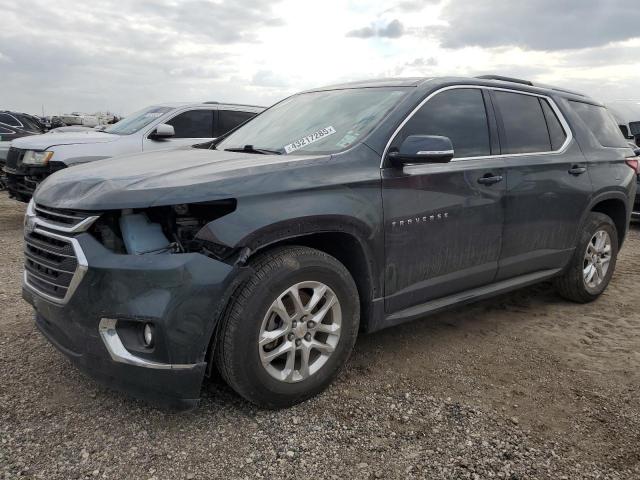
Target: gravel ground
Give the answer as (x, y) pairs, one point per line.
(522, 386)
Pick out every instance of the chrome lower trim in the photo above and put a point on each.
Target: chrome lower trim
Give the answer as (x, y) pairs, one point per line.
(78, 275)
(120, 354)
(635, 215)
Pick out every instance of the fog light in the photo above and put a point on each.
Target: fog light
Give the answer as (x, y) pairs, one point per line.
(148, 335)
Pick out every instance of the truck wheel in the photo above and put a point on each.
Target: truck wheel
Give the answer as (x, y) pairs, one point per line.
(289, 328)
(593, 261)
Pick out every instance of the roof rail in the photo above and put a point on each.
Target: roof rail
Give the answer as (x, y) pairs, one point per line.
(531, 84)
(506, 79)
(213, 101)
(568, 91)
(234, 104)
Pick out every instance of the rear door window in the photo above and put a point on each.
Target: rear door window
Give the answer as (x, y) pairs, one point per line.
(230, 119)
(193, 124)
(601, 124)
(524, 124)
(459, 114)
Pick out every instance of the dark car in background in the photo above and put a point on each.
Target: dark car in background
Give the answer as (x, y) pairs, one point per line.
(15, 125)
(339, 210)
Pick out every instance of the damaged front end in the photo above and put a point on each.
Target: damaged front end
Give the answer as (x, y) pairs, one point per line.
(166, 229)
(131, 296)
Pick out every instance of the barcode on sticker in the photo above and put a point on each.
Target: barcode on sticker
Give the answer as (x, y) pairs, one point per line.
(309, 139)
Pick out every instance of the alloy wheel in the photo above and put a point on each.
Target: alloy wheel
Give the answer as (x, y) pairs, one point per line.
(597, 259)
(300, 331)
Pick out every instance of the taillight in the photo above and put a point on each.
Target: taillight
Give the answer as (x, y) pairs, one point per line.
(634, 162)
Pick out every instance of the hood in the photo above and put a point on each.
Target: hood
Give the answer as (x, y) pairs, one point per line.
(47, 140)
(169, 177)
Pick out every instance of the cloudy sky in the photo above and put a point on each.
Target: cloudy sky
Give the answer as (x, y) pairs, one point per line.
(121, 55)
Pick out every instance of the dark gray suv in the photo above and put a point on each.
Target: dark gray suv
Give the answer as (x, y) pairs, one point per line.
(338, 210)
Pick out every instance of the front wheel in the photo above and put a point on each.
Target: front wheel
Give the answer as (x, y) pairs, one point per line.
(593, 261)
(289, 328)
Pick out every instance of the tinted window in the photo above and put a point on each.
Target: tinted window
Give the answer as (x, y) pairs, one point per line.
(556, 132)
(458, 114)
(229, 119)
(193, 124)
(9, 120)
(601, 124)
(625, 131)
(525, 128)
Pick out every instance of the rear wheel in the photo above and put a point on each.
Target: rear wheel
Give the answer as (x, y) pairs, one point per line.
(593, 262)
(289, 328)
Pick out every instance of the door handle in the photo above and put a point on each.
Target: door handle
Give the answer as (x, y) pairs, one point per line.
(490, 179)
(577, 170)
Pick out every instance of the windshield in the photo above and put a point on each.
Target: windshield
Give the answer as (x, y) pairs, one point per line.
(136, 121)
(316, 122)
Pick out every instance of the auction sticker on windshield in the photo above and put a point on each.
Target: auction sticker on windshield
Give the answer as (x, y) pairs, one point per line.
(309, 139)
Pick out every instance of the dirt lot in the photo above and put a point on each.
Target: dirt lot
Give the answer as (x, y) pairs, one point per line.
(522, 386)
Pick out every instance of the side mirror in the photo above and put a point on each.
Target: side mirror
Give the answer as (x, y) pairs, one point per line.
(423, 149)
(163, 131)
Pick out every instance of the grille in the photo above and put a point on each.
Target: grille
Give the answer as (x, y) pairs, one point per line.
(62, 217)
(50, 263)
(54, 263)
(14, 158)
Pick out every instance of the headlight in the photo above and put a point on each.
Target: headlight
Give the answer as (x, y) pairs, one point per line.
(31, 157)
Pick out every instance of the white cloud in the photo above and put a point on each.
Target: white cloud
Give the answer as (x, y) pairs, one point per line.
(124, 54)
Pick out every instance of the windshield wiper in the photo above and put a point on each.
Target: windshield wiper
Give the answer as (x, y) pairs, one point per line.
(251, 149)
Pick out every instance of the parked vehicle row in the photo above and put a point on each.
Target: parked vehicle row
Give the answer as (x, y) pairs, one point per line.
(338, 210)
(15, 125)
(30, 160)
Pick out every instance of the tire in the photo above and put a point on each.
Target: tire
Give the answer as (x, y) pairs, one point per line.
(573, 285)
(252, 311)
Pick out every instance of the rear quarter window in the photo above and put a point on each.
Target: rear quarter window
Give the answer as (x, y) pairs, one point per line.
(557, 135)
(601, 123)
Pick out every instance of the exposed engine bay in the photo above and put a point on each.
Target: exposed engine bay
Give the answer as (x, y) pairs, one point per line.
(162, 230)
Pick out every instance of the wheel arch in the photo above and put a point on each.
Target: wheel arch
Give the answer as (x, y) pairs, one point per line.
(349, 250)
(344, 240)
(615, 207)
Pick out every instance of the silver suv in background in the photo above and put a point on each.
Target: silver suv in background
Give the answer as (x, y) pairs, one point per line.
(31, 159)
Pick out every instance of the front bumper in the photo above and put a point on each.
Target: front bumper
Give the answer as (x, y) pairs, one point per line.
(21, 184)
(180, 295)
